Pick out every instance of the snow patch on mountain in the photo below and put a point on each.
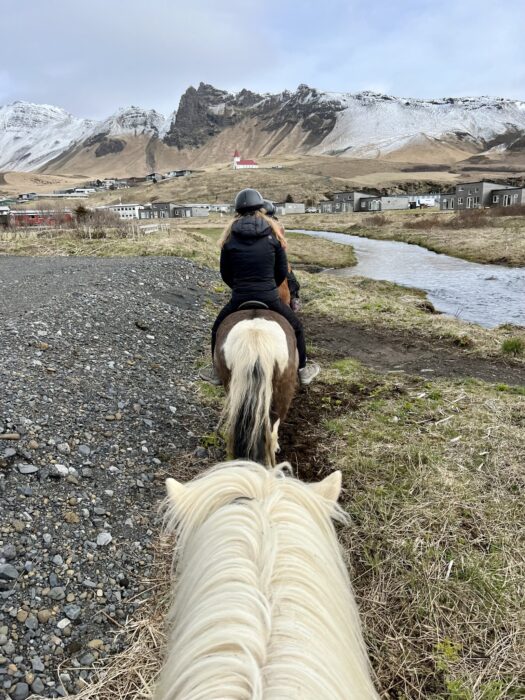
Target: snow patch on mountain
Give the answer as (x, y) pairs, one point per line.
(370, 123)
(132, 120)
(31, 135)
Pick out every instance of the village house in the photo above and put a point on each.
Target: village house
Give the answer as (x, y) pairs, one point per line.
(471, 195)
(164, 210)
(283, 208)
(178, 173)
(125, 211)
(154, 177)
(148, 212)
(242, 164)
(509, 197)
(39, 217)
(385, 203)
(189, 210)
(4, 215)
(347, 201)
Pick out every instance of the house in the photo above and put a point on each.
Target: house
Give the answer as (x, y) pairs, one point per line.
(84, 190)
(241, 164)
(220, 208)
(125, 211)
(508, 197)
(326, 207)
(470, 195)
(154, 177)
(148, 212)
(4, 215)
(27, 196)
(131, 181)
(40, 217)
(164, 210)
(283, 208)
(448, 202)
(190, 210)
(347, 201)
(384, 203)
(178, 173)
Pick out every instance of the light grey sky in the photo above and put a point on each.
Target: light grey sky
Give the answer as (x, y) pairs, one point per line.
(93, 57)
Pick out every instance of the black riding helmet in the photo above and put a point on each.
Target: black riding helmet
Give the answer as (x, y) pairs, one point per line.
(248, 200)
(269, 207)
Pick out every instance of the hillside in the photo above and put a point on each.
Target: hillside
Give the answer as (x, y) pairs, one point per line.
(449, 134)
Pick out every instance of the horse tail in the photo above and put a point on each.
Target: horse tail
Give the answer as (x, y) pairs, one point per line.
(253, 350)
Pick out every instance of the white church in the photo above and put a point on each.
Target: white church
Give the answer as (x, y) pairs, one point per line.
(240, 164)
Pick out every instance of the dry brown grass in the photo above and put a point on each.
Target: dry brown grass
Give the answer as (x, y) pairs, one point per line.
(434, 480)
(190, 239)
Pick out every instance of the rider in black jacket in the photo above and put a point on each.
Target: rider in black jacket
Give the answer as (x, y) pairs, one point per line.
(254, 264)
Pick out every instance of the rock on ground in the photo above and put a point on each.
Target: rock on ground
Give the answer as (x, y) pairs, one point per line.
(97, 376)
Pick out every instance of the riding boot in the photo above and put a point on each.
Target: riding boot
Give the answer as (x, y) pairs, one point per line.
(209, 374)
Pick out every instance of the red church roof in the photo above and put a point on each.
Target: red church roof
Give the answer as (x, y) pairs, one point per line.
(236, 154)
(246, 162)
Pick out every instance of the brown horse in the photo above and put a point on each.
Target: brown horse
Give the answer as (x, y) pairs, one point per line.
(256, 359)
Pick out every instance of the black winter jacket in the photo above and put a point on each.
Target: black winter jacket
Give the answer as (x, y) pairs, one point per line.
(253, 262)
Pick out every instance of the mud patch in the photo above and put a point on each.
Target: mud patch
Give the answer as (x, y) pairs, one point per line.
(303, 436)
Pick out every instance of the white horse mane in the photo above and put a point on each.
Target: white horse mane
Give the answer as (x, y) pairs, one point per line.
(262, 608)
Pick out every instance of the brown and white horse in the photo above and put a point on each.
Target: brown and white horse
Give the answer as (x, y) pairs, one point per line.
(256, 359)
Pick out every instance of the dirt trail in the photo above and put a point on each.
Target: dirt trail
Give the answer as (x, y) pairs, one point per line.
(388, 350)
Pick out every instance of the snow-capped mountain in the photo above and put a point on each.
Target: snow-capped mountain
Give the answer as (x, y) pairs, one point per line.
(370, 123)
(31, 135)
(208, 122)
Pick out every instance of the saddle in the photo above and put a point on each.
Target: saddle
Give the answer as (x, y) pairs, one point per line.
(252, 304)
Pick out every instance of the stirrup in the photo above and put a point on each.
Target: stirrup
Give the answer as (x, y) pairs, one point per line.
(253, 304)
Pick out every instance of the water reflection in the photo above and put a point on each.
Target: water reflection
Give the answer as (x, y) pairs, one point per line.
(486, 294)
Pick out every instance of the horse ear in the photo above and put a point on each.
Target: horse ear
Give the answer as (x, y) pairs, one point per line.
(329, 487)
(175, 489)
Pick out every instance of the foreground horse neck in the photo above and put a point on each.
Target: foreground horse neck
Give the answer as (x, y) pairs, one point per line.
(263, 607)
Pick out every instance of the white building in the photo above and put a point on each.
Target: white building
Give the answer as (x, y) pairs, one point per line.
(241, 164)
(125, 211)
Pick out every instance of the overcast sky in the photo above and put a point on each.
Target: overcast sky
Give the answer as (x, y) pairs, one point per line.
(93, 57)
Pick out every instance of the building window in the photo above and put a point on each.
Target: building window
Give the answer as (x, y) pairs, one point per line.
(476, 189)
(515, 197)
(460, 200)
(460, 189)
(476, 201)
(495, 199)
(452, 204)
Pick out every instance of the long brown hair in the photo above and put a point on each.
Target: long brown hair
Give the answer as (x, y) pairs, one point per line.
(277, 229)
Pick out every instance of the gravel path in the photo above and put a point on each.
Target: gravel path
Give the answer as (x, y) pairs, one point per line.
(97, 379)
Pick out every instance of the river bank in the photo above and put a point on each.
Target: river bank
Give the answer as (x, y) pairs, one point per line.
(499, 240)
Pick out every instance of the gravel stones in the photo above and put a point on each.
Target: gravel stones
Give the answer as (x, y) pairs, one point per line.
(20, 692)
(8, 572)
(79, 523)
(103, 539)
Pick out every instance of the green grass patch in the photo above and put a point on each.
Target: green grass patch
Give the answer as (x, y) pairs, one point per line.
(513, 346)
